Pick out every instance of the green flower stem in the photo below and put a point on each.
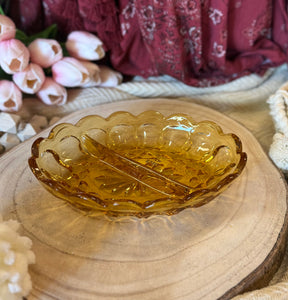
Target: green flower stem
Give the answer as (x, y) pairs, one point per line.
(2, 11)
(48, 33)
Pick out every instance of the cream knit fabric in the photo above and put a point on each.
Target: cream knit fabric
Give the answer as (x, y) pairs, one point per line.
(278, 109)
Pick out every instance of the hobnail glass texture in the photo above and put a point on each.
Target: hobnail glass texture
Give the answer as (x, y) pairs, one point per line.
(137, 165)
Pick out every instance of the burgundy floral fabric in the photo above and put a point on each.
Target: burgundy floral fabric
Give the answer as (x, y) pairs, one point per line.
(200, 42)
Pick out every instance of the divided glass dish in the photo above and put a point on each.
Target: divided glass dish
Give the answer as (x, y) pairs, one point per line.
(137, 165)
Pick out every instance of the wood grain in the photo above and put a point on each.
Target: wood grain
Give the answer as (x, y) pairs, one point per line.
(215, 251)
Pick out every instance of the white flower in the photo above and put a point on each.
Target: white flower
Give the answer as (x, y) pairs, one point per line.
(15, 256)
(30, 79)
(52, 93)
(129, 11)
(7, 28)
(215, 15)
(45, 52)
(14, 56)
(125, 28)
(10, 96)
(84, 45)
(109, 77)
(218, 50)
(94, 74)
(70, 72)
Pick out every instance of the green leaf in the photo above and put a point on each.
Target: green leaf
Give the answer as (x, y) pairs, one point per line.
(21, 36)
(64, 49)
(48, 71)
(2, 11)
(4, 75)
(48, 33)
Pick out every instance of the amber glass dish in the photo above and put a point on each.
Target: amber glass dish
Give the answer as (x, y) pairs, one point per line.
(137, 165)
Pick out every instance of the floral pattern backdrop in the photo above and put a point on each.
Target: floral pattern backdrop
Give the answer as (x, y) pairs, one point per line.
(200, 42)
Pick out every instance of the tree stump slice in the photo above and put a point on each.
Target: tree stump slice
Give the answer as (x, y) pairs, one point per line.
(228, 246)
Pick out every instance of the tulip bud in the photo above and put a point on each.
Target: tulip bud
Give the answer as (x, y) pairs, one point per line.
(52, 93)
(84, 45)
(45, 52)
(94, 74)
(10, 96)
(70, 72)
(30, 79)
(109, 77)
(7, 28)
(14, 56)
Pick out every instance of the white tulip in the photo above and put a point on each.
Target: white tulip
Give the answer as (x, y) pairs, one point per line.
(70, 72)
(30, 79)
(45, 52)
(84, 45)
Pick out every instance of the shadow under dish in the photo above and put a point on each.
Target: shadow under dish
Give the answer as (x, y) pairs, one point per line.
(137, 165)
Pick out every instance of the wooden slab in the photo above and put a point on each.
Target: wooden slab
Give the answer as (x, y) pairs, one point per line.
(216, 251)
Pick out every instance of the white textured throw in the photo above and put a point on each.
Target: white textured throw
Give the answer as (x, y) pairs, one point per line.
(278, 108)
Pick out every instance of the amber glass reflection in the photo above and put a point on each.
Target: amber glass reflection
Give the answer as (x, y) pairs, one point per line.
(137, 165)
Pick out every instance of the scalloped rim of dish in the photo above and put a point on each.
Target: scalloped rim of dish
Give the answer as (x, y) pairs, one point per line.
(53, 185)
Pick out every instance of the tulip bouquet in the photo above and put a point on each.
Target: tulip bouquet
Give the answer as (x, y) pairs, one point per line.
(42, 66)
